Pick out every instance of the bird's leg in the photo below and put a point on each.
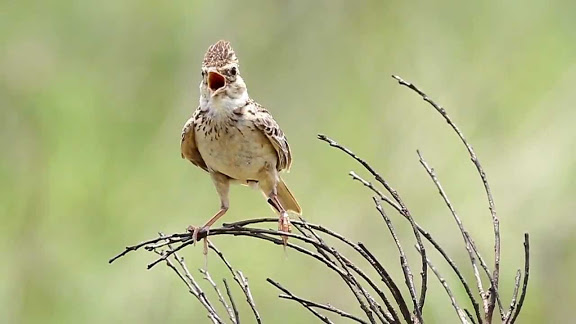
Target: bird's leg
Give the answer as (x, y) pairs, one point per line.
(268, 183)
(210, 222)
(222, 184)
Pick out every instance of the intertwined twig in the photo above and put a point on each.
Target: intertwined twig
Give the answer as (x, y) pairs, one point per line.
(315, 241)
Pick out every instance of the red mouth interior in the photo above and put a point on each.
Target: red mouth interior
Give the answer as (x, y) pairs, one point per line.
(215, 81)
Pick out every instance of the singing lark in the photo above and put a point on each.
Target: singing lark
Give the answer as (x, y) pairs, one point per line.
(235, 139)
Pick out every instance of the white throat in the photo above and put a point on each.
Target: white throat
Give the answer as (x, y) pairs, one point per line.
(222, 104)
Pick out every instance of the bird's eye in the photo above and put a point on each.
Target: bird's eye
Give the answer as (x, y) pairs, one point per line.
(233, 70)
(203, 73)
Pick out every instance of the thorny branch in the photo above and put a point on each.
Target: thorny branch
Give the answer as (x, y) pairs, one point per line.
(315, 240)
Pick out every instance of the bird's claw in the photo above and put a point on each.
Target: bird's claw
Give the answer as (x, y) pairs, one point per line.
(195, 230)
(284, 225)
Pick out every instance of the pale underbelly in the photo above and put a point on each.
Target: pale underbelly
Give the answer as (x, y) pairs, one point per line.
(239, 156)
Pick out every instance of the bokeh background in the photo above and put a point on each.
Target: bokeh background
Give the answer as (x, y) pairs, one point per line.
(93, 95)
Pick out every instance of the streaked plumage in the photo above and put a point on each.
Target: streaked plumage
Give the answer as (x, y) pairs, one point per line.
(235, 139)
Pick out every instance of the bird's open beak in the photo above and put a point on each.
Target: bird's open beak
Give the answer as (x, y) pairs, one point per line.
(216, 81)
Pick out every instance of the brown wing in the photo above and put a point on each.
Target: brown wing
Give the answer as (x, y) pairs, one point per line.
(188, 147)
(266, 123)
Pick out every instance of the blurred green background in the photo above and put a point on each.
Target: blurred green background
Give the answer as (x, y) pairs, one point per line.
(93, 95)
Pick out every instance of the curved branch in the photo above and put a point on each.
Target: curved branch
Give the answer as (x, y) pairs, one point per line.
(418, 306)
(308, 304)
(526, 276)
(474, 158)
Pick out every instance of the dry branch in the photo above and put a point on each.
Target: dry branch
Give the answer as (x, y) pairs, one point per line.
(208, 278)
(461, 314)
(234, 308)
(310, 304)
(314, 241)
(495, 221)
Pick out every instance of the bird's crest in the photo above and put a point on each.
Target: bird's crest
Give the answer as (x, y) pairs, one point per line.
(219, 55)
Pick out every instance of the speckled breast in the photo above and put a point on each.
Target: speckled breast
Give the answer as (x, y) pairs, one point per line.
(235, 147)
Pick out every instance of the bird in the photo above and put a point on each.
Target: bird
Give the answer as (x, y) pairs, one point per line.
(236, 140)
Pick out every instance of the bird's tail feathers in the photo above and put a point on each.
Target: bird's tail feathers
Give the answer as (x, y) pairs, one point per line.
(287, 199)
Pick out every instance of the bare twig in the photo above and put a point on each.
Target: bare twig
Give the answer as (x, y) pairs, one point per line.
(403, 260)
(190, 282)
(403, 210)
(491, 296)
(241, 280)
(526, 276)
(234, 308)
(384, 317)
(229, 310)
(170, 252)
(176, 237)
(249, 298)
(352, 283)
(358, 291)
(253, 232)
(378, 192)
(309, 304)
(348, 271)
(465, 236)
(508, 315)
(470, 317)
(211, 313)
(387, 279)
(474, 158)
(258, 233)
(362, 250)
(310, 233)
(237, 229)
(197, 288)
(437, 246)
(459, 311)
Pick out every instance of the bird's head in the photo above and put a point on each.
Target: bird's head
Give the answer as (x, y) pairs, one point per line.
(221, 80)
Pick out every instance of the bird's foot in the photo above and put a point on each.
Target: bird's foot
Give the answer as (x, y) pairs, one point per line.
(284, 225)
(197, 232)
